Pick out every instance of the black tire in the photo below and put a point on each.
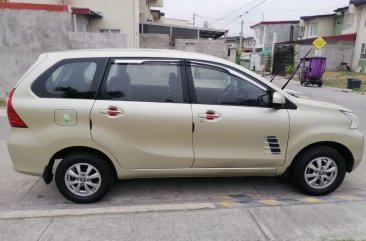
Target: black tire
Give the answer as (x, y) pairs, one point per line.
(299, 168)
(306, 83)
(96, 161)
(320, 85)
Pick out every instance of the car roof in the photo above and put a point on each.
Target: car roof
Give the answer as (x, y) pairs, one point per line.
(133, 53)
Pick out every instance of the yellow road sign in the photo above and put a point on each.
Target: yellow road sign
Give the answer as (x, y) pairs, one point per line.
(319, 43)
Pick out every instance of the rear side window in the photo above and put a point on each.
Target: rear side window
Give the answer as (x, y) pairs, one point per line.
(147, 82)
(74, 79)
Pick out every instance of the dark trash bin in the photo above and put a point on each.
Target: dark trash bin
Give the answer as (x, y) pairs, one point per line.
(353, 84)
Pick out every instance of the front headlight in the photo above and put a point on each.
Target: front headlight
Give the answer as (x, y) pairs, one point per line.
(354, 120)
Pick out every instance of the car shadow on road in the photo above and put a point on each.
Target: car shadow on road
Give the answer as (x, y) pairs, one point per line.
(161, 191)
(180, 190)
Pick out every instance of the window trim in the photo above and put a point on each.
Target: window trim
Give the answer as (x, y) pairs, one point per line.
(102, 95)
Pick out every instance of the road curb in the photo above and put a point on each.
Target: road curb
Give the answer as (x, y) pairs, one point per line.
(102, 211)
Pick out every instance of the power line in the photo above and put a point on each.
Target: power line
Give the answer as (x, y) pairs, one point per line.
(264, 7)
(246, 12)
(237, 10)
(203, 17)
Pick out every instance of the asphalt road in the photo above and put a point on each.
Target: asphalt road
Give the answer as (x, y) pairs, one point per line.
(188, 208)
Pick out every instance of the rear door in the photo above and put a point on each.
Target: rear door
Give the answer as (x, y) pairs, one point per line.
(235, 127)
(58, 112)
(143, 116)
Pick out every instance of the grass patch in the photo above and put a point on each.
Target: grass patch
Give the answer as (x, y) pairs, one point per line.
(338, 79)
(2, 103)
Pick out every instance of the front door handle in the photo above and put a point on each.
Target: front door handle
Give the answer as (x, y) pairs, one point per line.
(210, 115)
(111, 111)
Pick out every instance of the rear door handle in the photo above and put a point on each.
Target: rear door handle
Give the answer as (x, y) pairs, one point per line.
(209, 115)
(111, 111)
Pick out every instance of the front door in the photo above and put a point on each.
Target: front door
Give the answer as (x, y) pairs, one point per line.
(143, 116)
(234, 125)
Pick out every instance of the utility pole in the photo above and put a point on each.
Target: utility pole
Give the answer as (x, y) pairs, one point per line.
(241, 35)
(194, 19)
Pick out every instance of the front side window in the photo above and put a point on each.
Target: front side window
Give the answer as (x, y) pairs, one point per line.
(147, 82)
(217, 87)
(69, 79)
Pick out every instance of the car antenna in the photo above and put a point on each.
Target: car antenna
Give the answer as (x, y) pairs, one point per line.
(273, 77)
(296, 69)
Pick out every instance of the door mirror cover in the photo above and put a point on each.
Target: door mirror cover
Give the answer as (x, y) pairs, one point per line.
(278, 100)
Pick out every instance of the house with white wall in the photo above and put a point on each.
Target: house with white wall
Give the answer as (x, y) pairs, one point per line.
(317, 25)
(344, 31)
(266, 34)
(359, 60)
(107, 16)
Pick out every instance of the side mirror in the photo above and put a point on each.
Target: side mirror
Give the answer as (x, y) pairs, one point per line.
(278, 100)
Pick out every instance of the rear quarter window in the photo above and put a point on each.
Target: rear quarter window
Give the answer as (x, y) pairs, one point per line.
(71, 78)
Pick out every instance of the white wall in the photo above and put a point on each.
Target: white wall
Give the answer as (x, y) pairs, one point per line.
(325, 27)
(361, 37)
(259, 33)
(171, 21)
(354, 13)
(117, 14)
(255, 62)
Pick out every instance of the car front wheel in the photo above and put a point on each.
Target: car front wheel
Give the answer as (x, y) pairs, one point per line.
(318, 171)
(83, 178)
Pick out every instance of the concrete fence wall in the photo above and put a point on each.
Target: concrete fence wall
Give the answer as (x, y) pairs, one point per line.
(335, 55)
(25, 34)
(79, 40)
(216, 48)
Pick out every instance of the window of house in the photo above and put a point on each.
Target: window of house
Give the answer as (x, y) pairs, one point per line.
(217, 87)
(314, 28)
(302, 31)
(363, 48)
(107, 30)
(148, 82)
(349, 21)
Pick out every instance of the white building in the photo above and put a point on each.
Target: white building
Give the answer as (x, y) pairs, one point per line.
(107, 16)
(359, 60)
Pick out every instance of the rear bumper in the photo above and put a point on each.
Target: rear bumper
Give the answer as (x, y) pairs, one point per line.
(26, 152)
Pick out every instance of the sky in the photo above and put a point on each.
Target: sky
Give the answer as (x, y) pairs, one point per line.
(251, 11)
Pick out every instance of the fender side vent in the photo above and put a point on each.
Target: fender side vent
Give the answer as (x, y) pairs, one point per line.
(272, 145)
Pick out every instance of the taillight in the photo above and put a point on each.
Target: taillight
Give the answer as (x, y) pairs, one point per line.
(14, 119)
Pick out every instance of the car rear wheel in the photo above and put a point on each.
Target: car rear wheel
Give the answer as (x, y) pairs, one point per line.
(318, 171)
(83, 178)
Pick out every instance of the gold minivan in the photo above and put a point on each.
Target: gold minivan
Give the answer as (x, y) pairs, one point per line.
(89, 117)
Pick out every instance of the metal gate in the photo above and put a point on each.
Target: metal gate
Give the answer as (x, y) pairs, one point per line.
(284, 55)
